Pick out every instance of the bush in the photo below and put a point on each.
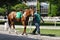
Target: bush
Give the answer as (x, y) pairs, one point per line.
(2, 11)
(15, 7)
(53, 10)
(19, 6)
(38, 7)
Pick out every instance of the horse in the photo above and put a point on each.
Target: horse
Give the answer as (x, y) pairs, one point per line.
(24, 19)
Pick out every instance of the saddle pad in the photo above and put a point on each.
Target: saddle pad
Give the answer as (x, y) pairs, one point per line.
(18, 15)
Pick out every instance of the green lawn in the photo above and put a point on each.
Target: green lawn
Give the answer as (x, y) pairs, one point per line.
(49, 32)
(54, 32)
(27, 30)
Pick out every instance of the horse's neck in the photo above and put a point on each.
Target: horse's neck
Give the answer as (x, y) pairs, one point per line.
(26, 13)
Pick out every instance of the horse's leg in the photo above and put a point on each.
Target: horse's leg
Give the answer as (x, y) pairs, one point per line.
(14, 29)
(13, 26)
(10, 29)
(24, 27)
(9, 22)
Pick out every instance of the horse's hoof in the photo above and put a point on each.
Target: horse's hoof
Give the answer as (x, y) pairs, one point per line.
(16, 33)
(24, 34)
(9, 32)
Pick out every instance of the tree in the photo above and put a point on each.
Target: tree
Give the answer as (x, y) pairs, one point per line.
(38, 5)
(6, 4)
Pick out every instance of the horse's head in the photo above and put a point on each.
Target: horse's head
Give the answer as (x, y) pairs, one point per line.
(31, 11)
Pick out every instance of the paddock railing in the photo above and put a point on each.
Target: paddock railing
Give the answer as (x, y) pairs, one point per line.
(3, 19)
(49, 19)
(52, 19)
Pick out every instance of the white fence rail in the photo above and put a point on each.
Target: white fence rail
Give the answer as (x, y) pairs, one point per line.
(4, 19)
(51, 19)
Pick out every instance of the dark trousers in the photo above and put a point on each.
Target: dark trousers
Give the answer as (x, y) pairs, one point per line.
(37, 29)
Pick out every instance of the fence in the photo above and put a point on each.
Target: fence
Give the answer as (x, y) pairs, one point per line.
(4, 19)
(52, 19)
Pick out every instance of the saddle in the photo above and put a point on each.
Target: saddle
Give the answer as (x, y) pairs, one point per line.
(18, 15)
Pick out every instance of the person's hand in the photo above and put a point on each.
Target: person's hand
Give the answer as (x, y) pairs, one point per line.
(43, 21)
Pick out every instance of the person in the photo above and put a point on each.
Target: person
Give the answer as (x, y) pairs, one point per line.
(6, 25)
(36, 21)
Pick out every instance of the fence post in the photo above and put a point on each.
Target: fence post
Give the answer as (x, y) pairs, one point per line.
(55, 23)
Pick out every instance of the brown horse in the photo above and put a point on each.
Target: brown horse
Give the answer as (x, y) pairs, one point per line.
(23, 19)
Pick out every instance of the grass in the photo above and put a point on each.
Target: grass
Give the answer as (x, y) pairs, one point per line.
(27, 30)
(51, 32)
(47, 32)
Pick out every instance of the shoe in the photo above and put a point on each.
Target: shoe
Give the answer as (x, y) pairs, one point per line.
(33, 33)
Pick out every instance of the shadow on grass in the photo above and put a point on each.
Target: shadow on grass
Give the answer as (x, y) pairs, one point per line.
(52, 35)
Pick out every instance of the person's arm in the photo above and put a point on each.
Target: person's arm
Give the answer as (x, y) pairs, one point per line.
(42, 19)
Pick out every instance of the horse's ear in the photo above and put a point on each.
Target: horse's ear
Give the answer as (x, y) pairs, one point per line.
(31, 7)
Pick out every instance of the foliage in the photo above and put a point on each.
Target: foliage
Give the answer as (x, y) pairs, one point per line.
(53, 10)
(38, 7)
(2, 11)
(14, 7)
(19, 6)
(7, 4)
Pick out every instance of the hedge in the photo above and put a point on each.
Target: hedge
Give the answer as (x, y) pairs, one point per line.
(15, 7)
(19, 6)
